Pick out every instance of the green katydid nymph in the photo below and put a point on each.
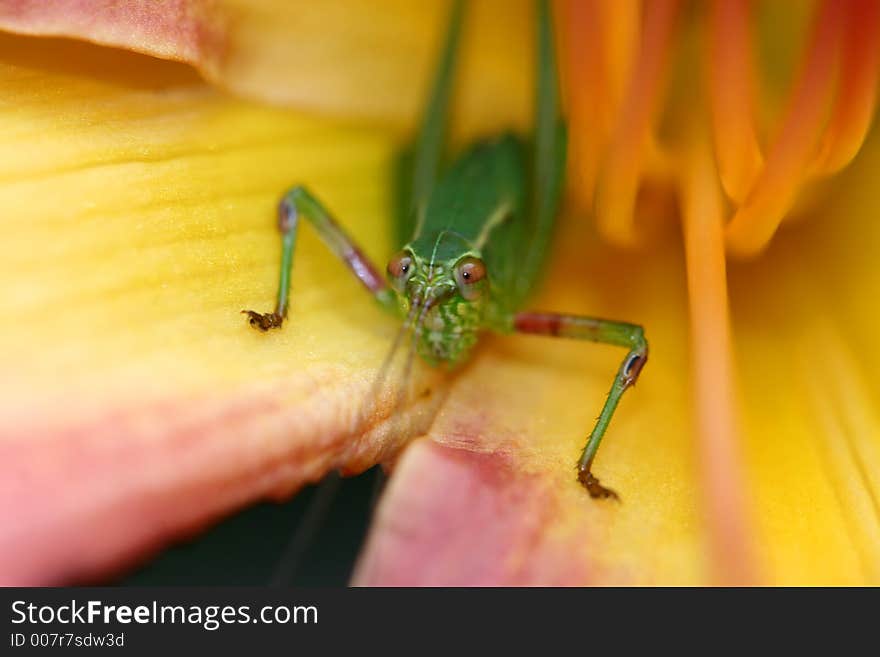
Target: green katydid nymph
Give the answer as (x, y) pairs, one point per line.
(475, 237)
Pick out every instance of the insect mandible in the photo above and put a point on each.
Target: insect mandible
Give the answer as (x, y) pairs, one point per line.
(475, 239)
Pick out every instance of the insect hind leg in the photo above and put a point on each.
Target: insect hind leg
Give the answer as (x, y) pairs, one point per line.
(631, 336)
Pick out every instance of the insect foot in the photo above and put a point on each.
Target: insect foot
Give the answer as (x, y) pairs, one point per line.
(594, 488)
(263, 321)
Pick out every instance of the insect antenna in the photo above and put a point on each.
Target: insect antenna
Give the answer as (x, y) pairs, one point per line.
(304, 536)
(369, 402)
(403, 387)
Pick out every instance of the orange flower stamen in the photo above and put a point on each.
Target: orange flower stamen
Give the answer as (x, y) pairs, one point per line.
(857, 88)
(598, 41)
(622, 168)
(722, 470)
(788, 159)
(731, 88)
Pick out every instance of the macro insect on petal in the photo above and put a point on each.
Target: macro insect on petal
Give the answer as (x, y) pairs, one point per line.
(477, 234)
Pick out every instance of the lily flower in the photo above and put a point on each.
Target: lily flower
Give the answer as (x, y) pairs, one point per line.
(137, 199)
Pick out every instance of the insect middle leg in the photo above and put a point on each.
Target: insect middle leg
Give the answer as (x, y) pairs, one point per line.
(299, 202)
(622, 334)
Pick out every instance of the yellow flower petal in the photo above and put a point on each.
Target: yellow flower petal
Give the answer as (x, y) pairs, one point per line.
(311, 54)
(805, 321)
(138, 210)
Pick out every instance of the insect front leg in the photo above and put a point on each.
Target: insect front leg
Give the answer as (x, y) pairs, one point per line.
(631, 336)
(299, 202)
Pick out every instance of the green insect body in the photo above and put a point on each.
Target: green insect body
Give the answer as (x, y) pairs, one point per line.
(469, 219)
(474, 238)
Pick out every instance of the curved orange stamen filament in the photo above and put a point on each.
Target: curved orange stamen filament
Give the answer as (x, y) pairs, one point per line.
(857, 88)
(731, 91)
(584, 59)
(597, 43)
(616, 192)
(718, 435)
(774, 192)
(621, 24)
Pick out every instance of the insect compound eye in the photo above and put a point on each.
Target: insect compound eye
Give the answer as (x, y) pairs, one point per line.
(400, 268)
(469, 272)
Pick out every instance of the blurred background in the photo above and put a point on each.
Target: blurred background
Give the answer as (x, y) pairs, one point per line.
(311, 540)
